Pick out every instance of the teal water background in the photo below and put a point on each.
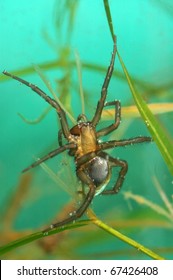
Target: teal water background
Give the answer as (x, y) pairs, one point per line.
(30, 36)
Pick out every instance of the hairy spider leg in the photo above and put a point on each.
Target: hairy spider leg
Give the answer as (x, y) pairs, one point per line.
(101, 102)
(121, 143)
(114, 162)
(51, 155)
(106, 130)
(81, 210)
(60, 137)
(48, 99)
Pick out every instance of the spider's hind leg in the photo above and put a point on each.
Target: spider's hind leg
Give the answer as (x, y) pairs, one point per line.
(84, 205)
(114, 162)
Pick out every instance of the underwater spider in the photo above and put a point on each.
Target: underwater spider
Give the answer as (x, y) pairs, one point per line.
(93, 165)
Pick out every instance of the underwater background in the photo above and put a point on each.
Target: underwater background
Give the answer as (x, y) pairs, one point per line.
(50, 34)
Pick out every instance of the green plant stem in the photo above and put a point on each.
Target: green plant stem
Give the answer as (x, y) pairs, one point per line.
(122, 237)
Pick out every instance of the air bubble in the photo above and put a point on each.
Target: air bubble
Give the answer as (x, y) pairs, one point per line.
(147, 123)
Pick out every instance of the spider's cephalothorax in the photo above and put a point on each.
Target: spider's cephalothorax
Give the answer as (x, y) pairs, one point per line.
(93, 165)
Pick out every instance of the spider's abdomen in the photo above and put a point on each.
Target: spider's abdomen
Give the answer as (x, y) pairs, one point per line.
(99, 172)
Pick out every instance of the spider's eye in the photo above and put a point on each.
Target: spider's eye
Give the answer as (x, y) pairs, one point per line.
(98, 170)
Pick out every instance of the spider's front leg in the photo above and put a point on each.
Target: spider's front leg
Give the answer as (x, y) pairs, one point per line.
(114, 162)
(110, 128)
(61, 113)
(52, 154)
(105, 85)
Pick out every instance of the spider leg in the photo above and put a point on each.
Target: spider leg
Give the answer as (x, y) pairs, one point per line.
(87, 200)
(101, 102)
(60, 137)
(50, 155)
(114, 162)
(122, 143)
(110, 128)
(52, 102)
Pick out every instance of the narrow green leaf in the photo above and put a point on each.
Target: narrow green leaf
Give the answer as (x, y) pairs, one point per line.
(109, 17)
(164, 144)
(37, 235)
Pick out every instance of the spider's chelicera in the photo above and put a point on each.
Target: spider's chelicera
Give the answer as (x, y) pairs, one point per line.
(93, 165)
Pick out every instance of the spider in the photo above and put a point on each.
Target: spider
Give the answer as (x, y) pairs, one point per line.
(93, 164)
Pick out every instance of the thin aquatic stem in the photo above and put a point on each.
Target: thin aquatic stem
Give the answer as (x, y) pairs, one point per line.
(122, 237)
